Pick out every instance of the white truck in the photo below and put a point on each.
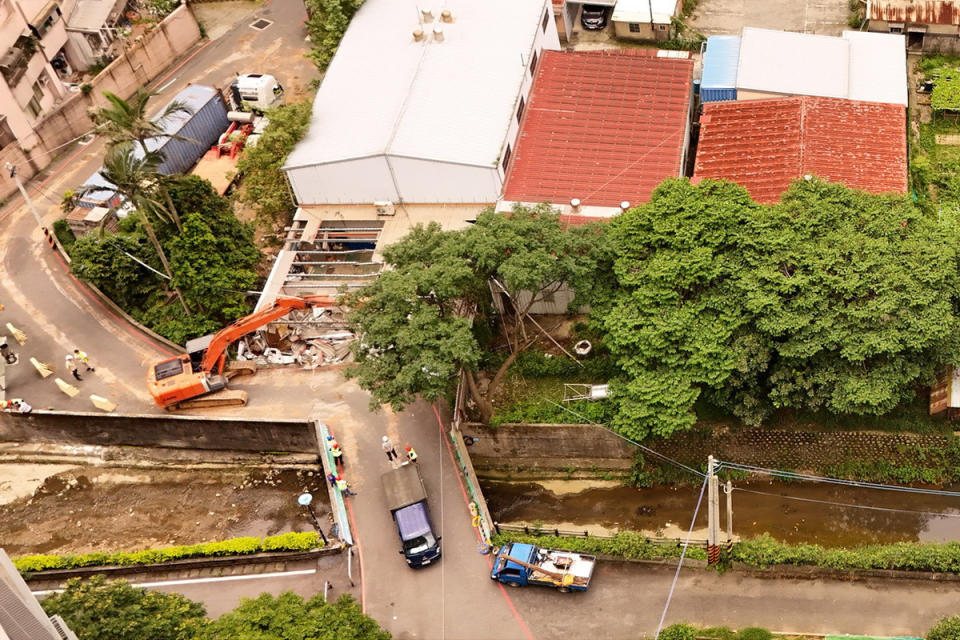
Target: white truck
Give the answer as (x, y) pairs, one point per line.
(255, 92)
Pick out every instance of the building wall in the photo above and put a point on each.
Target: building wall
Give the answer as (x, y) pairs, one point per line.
(21, 617)
(747, 94)
(545, 39)
(143, 61)
(659, 33)
(425, 181)
(343, 182)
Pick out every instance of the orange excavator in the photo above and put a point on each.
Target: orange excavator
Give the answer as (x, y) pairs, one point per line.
(199, 377)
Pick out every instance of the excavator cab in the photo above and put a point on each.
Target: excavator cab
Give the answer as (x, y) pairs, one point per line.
(175, 381)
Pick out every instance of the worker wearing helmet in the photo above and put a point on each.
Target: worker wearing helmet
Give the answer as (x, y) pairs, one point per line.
(411, 455)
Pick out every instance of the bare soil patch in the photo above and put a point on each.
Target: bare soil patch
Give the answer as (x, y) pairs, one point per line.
(101, 509)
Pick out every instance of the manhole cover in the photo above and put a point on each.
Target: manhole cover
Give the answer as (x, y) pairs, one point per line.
(260, 25)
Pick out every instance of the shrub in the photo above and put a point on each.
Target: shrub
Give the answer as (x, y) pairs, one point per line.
(945, 629)
(754, 633)
(679, 631)
(64, 235)
(234, 547)
(720, 633)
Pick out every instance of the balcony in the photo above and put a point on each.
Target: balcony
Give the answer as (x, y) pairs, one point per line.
(14, 61)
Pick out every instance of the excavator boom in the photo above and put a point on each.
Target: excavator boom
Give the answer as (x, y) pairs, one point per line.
(175, 383)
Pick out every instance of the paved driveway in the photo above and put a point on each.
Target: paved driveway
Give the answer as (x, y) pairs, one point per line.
(824, 17)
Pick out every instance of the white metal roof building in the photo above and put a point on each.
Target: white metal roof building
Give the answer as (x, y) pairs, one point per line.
(421, 121)
(859, 66)
(639, 11)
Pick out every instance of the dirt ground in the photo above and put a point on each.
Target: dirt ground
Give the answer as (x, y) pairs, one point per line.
(114, 509)
(719, 17)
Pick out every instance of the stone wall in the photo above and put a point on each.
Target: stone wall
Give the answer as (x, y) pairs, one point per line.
(177, 432)
(523, 450)
(143, 60)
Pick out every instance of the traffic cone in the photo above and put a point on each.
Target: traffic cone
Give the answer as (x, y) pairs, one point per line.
(20, 336)
(66, 387)
(44, 369)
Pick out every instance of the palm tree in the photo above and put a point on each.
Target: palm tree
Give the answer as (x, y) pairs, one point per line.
(137, 181)
(127, 121)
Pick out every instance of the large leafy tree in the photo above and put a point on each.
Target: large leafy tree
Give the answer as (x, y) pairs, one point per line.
(419, 320)
(97, 610)
(676, 322)
(327, 21)
(290, 617)
(947, 628)
(264, 183)
(856, 293)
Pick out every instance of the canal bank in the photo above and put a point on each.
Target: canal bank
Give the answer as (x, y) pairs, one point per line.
(814, 513)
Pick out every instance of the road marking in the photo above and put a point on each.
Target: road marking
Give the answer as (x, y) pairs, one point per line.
(172, 583)
(160, 89)
(466, 499)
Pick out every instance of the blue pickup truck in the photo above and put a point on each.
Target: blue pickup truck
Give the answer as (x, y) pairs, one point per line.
(518, 565)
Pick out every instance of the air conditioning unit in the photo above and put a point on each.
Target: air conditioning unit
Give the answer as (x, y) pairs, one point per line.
(385, 208)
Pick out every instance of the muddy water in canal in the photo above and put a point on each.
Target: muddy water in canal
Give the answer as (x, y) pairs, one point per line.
(792, 512)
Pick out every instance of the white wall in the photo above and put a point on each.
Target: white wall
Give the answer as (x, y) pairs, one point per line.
(424, 181)
(350, 181)
(545, 40)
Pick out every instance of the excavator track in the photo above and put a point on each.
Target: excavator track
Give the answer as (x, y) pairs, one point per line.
(223, 398)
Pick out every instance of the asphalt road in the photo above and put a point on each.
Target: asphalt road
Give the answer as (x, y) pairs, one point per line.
(455, 598)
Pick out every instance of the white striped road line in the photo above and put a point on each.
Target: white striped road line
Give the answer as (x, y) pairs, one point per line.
(171, 583)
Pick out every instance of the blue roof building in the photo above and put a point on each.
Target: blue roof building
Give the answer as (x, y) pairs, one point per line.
(720, 61)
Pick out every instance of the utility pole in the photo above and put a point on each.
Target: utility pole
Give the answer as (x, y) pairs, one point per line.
(728, 489)
(36, 216)
(713, 512)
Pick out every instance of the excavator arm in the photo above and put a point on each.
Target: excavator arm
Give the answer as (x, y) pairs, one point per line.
(175, 383)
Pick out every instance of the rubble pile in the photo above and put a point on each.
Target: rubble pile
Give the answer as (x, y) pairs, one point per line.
(308, 338)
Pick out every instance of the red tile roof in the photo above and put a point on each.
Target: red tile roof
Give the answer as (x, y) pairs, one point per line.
(765, 144)
(576, 220)
(601, 126)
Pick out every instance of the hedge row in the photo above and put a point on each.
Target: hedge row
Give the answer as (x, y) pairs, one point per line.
(233, 547)
(764, 551)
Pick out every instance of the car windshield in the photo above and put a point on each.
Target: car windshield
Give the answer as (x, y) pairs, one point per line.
(416, 545)
(592, 9)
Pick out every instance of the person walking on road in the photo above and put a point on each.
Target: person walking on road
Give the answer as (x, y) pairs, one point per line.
(81, 356)
(72, 366)
(337, 454)
(389, 449)
(344, 487)
(411, 455)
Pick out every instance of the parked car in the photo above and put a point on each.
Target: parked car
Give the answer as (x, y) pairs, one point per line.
(593, 17)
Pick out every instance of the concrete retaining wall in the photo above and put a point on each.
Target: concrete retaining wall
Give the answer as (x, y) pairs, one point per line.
(177, 432)
(557, 449)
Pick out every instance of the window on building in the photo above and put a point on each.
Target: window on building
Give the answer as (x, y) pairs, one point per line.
(506, 157)
(520, 109)
(546, 20)
(33, 107)
(896, 27)
(6, 136)
(533, 63)
(661, 27)
(37, 90)
(634, 27)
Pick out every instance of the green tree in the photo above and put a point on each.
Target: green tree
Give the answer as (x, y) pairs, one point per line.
(676, 322)
(326, 23)
(136, 181)
(856, 293)
(945, 629)
(126, 121)
(290, 617)
(419, 319)
(97, 610)
(264, 183)
(106, 264)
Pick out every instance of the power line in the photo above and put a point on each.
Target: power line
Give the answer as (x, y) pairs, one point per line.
(848, 504)
(633, 442)
(793, 475)
(683, 554)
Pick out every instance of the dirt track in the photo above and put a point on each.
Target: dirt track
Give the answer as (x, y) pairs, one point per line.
(99, 509)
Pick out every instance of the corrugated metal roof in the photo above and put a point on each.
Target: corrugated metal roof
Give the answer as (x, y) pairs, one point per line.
(920, 11)
(601, 126)
(763, 145)
(450, 101)
(859, 66)
(639, 11)
(720, 61)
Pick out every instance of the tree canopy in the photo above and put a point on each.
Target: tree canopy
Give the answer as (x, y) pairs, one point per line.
(830, 299)
(422, 320)
(290, 617)
(945, 629)
(211, 258)
(97, 610)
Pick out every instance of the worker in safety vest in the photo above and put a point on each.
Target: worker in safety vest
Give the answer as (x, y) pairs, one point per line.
(344, 487)
(411, 455)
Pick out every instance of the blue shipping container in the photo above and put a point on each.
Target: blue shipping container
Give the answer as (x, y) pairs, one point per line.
(201, 129)
(720, 61)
